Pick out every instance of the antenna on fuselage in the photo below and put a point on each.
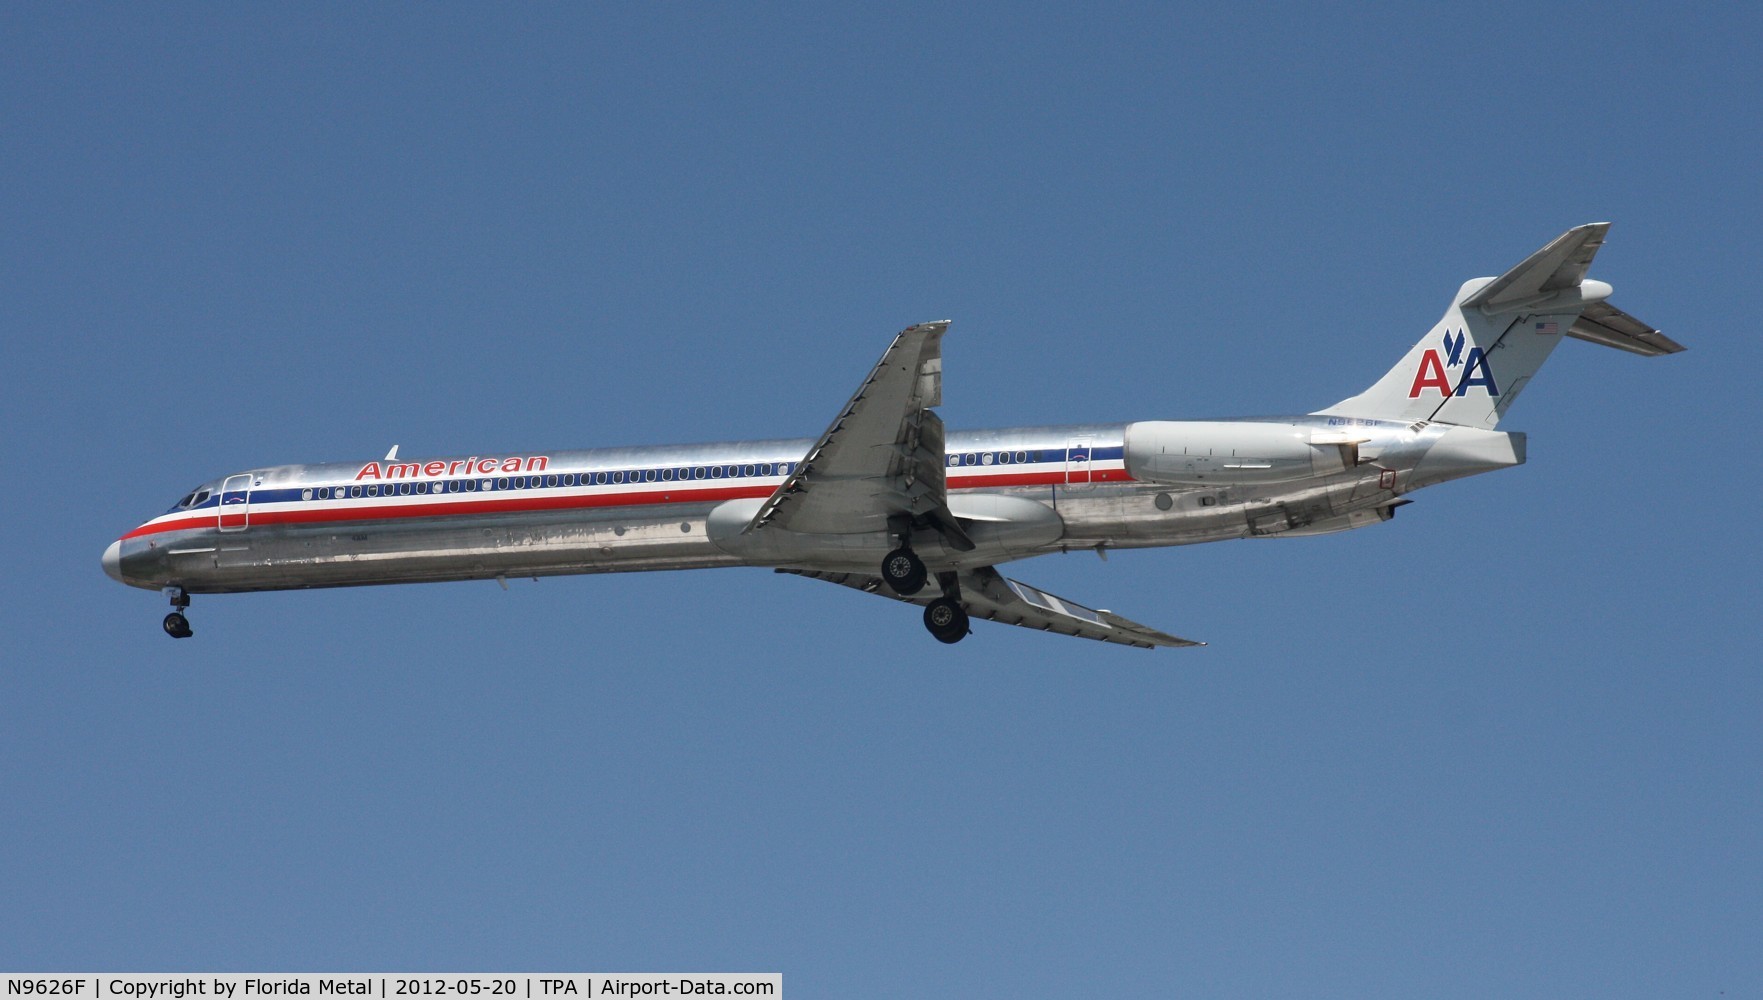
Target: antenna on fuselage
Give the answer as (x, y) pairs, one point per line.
(391, 455)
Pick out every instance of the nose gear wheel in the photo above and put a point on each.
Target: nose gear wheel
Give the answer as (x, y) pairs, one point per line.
(176, 625)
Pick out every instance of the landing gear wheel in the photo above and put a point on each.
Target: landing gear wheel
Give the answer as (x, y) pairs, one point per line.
(177, 626)
(904, 571)
(946, 620)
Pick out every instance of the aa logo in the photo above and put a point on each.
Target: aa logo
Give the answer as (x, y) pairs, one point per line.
(1432, 375)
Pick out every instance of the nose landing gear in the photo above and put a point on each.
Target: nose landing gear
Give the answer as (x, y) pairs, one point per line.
(176, 625)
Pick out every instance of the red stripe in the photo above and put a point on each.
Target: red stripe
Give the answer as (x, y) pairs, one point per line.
(446, 508)
(1034, 479)
(515, 505)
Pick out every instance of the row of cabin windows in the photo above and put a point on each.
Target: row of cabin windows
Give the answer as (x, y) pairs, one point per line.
(617, 478)
(1004, 457)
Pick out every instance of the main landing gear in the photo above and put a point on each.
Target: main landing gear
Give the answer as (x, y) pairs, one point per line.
(904, 571)
(946, 620)
(176, 625)
(944, 617)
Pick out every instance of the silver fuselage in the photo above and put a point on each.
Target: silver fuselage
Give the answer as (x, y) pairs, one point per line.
(1020, 492)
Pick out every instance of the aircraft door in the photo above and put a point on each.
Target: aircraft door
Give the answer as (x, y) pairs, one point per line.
(235, 503)
(1079, 457)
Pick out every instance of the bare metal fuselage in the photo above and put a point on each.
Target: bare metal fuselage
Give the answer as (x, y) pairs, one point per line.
(1019, 493)
(888, 501)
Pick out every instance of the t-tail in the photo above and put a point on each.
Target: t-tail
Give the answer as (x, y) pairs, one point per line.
(1496, 334)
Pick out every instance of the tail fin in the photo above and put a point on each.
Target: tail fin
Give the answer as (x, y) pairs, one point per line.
(1472, 365)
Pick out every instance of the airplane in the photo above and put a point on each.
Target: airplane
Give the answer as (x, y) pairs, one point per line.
(886, 501)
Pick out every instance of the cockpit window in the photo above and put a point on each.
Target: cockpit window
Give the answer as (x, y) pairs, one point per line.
(191, 499)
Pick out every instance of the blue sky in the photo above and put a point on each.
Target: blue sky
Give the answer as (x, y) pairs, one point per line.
(1505, 745)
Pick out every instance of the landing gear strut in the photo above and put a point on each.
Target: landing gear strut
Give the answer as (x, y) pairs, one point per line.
(176, 625)
(904, 571)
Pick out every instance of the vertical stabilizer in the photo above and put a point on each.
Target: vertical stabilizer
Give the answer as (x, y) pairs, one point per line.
(1472, 365)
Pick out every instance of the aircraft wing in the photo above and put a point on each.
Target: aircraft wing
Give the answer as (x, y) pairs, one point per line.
(988, 594)
(881, 459)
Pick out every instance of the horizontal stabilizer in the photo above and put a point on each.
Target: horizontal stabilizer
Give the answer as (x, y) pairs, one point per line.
(1560, 265)
(1602, 323)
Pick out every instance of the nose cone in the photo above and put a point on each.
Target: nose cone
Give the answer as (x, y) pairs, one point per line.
(113, 562)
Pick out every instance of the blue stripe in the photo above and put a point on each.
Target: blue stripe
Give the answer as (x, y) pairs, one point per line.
(633, 477)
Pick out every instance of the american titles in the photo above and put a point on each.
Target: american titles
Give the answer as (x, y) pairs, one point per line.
(473, 466)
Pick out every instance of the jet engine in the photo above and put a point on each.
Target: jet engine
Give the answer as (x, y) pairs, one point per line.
(1218, 452)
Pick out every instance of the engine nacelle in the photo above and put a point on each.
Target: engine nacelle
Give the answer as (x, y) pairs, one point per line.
(1213, 452)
